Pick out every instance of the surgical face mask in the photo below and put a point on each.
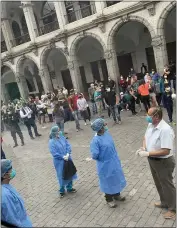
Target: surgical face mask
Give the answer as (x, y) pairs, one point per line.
(105, 128)
(108, 89)
(153, 72)
(149, 119)
(12, 174)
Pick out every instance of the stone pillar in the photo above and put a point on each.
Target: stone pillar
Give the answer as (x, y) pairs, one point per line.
(45, 78)
(4, 93)
(22, 85)
(61, 13)
(160, 53)
(7, 33)
(30, 19)
(112, 66)
(100, 71)
(73, 67)
(100, 6)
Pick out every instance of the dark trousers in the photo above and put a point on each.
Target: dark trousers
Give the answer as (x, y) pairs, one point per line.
(89, 112)
(132, 105)
(146, 102)
(29, 124)
(159, 98)
(85, 115)
(3, 156)
(162, 172)
(15, 129)
(168, 104)
(50, 118)
(110, 197)
(68, 115)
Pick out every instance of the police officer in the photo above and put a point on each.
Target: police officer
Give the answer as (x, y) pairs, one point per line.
(11, 119)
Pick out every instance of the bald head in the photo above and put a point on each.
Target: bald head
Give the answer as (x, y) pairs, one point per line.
(156, 112)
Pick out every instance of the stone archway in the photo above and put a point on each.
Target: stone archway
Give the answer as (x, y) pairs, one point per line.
(166, 29)
(54, 64)
(87, 52)
(9, 87)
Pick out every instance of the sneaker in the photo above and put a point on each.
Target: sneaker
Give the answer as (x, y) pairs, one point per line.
(22, 144)
(169, 215)
(44, 127)
(32, 137)
(62, 195)
(159, 205)
(38, 135)
(73, 190)
(119, 122)
(77, 130)
(173, 123)
(15, 145)
(120, 198)
(85, 124)
(112, 204)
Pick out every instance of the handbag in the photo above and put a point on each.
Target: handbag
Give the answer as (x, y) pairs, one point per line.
(69, 170)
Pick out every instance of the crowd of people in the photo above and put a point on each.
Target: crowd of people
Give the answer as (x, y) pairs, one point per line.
(153, 91)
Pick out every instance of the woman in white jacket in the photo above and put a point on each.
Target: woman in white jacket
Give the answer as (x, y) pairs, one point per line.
(82, 107)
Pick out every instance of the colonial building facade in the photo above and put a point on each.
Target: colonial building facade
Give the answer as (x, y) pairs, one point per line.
(71, 43)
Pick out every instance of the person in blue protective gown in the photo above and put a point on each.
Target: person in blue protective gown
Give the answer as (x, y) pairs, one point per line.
(61, 151)
(110, 173)
(12, 206)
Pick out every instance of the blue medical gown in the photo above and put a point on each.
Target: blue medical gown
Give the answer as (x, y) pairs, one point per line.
(59, 147)
(12, 207)
(111, 176)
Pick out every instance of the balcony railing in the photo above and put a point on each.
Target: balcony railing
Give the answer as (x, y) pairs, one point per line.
(21, 40)
(3, 46)
(50, 27)
(81, 13)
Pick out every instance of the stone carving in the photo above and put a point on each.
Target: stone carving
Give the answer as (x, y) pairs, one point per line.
(71, 65)
(108, 55)
(151, 9)
(62, 36)
(52, 43)
(156, 41)
(34, 48)
(100, 22)
(41, 73)
(102, 27)
(125, 18)
(65, 50)
(10, 58)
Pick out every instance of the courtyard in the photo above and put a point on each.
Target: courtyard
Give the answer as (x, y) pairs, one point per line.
(37, 183)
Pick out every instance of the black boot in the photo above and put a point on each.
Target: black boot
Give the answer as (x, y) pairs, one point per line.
(15, 145)
(38, 135)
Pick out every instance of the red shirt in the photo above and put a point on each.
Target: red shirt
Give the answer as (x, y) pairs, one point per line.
(73, 102)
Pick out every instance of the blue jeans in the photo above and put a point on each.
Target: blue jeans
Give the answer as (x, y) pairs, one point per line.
(115, 111)
(76, 118)
(69, 187)
(61, 125)
(94, 107)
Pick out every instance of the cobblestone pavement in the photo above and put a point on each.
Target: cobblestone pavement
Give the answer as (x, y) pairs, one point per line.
(37, 183)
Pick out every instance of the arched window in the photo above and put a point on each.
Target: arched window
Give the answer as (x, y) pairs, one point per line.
(16, 29)
(48, 13)
(24, 25)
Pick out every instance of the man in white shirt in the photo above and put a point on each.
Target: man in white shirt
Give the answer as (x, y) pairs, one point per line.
(25, 114)
(158, 147)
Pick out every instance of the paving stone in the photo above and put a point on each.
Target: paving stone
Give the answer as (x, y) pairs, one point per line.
(36, 180)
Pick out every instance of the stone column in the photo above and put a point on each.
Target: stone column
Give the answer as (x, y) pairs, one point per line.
(112, 66)
(30, 19)
(100, 6)
(7, 33)
(22, 85)
(46, 81)
(61, 13)
(73, 67)
(4, 93)
(160, 53)
(100, 71)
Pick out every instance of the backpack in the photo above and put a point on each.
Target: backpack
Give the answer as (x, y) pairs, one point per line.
(157, 87)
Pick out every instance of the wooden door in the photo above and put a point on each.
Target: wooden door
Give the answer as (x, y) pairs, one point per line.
(150, 59)
(67, 79)
(125, 63)
(95, 71)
